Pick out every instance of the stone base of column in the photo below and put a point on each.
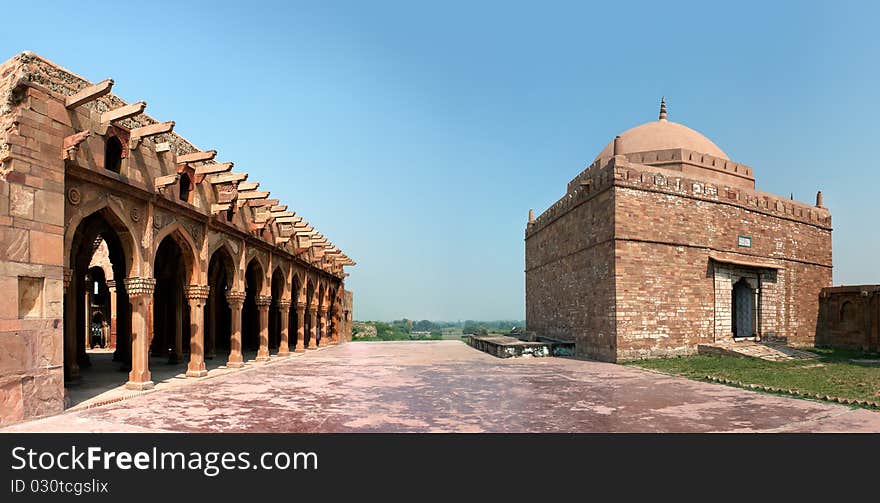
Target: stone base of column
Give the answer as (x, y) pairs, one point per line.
(299, 350)
(312, 345)
(262, 358)
(283, 353)
(234, 365)
(139, 385)
(196, 373)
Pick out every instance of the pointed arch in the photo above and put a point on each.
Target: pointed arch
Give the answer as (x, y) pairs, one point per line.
(102, 207)
(188, 247)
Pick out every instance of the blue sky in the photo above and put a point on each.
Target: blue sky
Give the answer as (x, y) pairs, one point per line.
(416, 136)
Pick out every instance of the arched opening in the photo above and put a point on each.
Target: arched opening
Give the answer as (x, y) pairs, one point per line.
(275, 311)
(293, 328)
(221, 275)
(310, 295)
(113, 154)
(88, 371)
(847, 312)
(171, 322)
(743, 309)
(250, 315)
(98, 307)
(185, 187)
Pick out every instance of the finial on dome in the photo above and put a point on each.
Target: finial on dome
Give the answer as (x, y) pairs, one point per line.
(663, 108)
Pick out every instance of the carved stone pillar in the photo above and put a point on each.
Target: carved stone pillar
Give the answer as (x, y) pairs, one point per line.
(111, 339)
(313, 316)
(322, 325)
(197, 295)
(263, 303)
(334, 327)
(176, 353)
(211, 328)
(140, 294)
(300, 328)
(284, 344)
(236, 301)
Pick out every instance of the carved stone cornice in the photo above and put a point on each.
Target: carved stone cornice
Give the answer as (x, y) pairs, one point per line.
(140, 287)
(197, 292)
(235, 299)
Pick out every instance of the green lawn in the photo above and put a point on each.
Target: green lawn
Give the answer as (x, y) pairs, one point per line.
(833, 373)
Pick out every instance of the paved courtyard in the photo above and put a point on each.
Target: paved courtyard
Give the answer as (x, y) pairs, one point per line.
(446, 386)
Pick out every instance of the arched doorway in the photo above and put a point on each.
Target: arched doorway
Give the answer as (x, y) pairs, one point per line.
(88, 299)
(275, 310)
(309, 338)
(221, 276)
(250, 315)
(743, 309)
(170, 309)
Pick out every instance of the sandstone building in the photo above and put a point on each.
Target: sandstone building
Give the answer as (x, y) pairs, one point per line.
(663, 243)
(117, 232)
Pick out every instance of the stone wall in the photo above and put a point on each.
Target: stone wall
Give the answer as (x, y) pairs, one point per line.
(31, 272)
(570, 277)
(849, 317)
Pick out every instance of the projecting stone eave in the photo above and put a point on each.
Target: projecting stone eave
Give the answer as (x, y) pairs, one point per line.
(30, 69)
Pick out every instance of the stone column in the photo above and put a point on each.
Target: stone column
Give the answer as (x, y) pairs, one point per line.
(334, 327)
(313, 315)
(140, 294)
(111, 339)
(300, 327)
(263, 303)
(71, 368)
(197, 295)
(236, 300)
(322, 326)
(284, 344)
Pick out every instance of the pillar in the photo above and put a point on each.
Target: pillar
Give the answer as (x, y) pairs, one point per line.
(111, 338)
(236, 301)
(334, 327)
(263, 303)
(197, 295)
(177, 353)
(300, 327)
(313, 315)
(140, 294)
(71, 368)
(322, 326)
(284, 345)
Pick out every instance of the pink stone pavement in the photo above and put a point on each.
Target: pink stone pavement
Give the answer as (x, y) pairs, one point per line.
(446, 386)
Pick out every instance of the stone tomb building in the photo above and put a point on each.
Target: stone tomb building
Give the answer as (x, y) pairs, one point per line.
(117, 232)
(663, 243)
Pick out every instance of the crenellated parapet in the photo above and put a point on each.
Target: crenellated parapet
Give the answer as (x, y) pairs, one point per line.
(621, 172)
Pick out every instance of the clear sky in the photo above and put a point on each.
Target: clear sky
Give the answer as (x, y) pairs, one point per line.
(416, 136)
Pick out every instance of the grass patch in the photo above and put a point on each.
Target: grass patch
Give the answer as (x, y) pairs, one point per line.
(832, 373)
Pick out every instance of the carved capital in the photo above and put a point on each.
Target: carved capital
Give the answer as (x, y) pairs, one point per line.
(111, 285)
(301, 306)
(264, 300)
(284, 304)
(140, 287)
(197, 292)
(235, 299)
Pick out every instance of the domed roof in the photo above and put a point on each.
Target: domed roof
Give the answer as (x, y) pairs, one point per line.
(662, 135)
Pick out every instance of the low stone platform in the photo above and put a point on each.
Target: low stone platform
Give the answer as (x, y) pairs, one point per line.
(764, 350)
(504, 346)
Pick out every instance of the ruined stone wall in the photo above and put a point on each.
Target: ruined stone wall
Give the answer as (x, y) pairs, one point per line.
(31, 272)
(849, 317)
(570, 275)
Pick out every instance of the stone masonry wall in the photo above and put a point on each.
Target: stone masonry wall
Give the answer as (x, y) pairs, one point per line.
(666, 286)
(849, 317)
(570, 277)
(31, 272)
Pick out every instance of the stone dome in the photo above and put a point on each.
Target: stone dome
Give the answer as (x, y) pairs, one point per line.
(662, 135)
